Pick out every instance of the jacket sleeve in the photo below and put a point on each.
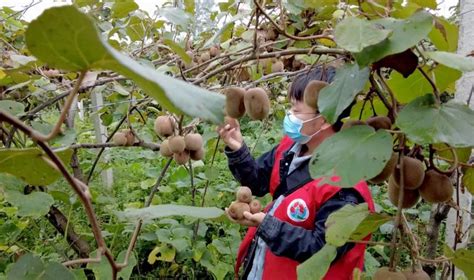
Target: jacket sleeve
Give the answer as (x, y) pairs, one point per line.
(297, 243)
(252, 173)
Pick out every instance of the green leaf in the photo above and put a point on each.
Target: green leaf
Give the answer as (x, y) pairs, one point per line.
(468, 180)
(126, 272)
(136, 29)
(451, 123)
(164, 253)
(213, 40)
(317, 266)
(66, 38)
(456, 61)
(406, 33)
(355, 34)
(164, 210)
(12, 107)
(32, 165)
(353, 154)
(122, 8)
(35, 204)
(176, 16)
(342, 223)
(370, 224)
(177, 49)
(462, 259)
(444, 35)
(425, 3)
(348, 82)
(30, 267)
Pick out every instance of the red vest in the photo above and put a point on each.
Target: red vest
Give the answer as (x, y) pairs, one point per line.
(292, 210)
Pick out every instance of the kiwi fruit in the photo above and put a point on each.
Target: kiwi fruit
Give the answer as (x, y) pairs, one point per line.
(278, 66)
(350, 123)
(379, 122)
(205, 56)
(386, 171)
(130, 136)
(243, 74)
(255, 206)
(418, 274)
(257, 103)
(165, 149)
(413, 171)
(193, 141)
(177, 144)
(234, 105)
(436, 187)
(236, 209)
(271, 34)
(410, 197)
(244, 194)
(164, 126)
(311, 93)
(120, 139)
(384, 273)
(214, 51)
(197, 155)
(296, 65)
(181, 157)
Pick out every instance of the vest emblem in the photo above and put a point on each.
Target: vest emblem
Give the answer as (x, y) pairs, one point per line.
(297, 210)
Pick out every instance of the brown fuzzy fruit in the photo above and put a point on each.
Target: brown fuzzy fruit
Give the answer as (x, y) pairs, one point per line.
(413, 171)
(130, 136)
(205, 56)
(384, 273)
(120, 139)
(236, 209)
(255, 206)
(387, 170)
(182, 157)
(350, 123)
(234, 105)
(165, 149)
(193, 141)
(417, 275)
(257, 103)
(244, 194)
(214, 51)
(379, 122)
(311, 93)
(243, 75)
(197, 155)
(436, 187)
(410, 197)
(278, 66)
(164, 126)
(177, 144)
(271, 34)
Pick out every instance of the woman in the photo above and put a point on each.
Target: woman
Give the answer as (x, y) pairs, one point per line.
(292, 227)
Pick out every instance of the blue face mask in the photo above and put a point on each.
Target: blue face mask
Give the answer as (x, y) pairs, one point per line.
(292, 127)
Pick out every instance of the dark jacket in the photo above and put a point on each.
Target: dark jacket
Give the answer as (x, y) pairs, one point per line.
(282, 238)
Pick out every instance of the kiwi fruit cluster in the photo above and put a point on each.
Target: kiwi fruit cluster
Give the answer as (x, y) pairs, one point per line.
(244, 202)
(181, 148)
(124, 137)
(254, 101)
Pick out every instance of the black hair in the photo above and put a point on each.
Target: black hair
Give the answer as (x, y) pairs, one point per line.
(321, 73)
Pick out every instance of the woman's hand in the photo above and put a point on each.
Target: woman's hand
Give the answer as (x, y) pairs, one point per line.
(230, 133)
(249, 220)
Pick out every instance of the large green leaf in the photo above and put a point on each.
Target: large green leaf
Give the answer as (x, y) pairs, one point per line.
(317, 266)
(32, 165)
(164, 210)
(456, 61)
(12, 107)
(370, 224)
(353, 154)
(468, 180)
(341, 224)
(405, 34)
(355, 34)
(30, 267)
(444, 35)
(35, 204)
(122, 8)
(348, 82)
(176, 16)
(451, 123)
(66, 38)
(462, 259)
